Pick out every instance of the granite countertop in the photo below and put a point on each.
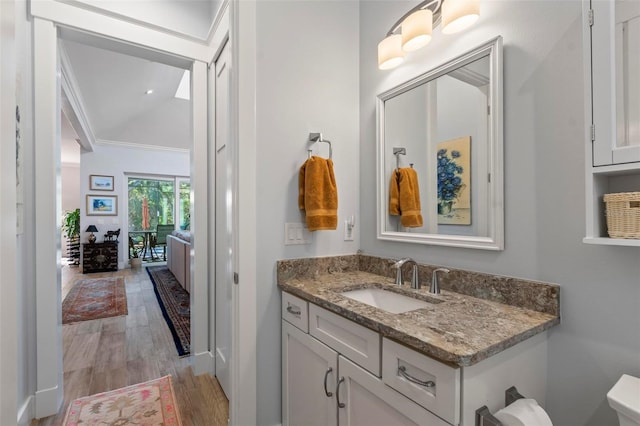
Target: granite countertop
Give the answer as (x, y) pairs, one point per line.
(455, 328)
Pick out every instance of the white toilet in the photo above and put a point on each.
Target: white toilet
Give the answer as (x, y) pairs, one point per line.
(624, 397)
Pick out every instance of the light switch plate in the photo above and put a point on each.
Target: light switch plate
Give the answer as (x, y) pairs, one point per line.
(296, 234)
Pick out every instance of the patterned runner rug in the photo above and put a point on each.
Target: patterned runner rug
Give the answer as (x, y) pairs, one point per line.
(175, 305)
(151, 403)
(95, 298)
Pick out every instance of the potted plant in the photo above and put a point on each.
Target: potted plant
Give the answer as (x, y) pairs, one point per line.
(71, 229)
(449, 180)
(134, 260)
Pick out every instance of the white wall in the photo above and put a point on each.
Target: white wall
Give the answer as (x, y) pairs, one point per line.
(307, 80)
(598, 339)
(70, 191)
(116, 161)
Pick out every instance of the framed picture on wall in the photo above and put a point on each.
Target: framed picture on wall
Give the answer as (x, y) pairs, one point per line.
(102, 205)
(100, 183)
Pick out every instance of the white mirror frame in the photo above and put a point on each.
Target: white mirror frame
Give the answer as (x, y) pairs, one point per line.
(495, 166)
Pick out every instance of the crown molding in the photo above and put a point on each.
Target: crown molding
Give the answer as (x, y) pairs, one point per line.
(74, 107)
(147, 147)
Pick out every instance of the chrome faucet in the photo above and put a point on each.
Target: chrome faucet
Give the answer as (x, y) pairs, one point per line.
(414, 274)
(435, 285)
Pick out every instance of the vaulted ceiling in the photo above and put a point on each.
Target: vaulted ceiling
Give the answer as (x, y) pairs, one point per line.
(112, 90)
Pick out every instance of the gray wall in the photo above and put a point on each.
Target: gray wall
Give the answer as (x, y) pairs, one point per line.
(307, 80)
(599, 338)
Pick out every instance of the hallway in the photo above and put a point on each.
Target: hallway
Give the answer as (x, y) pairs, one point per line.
(106, 354)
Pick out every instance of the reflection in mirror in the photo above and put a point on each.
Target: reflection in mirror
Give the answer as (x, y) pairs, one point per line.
(440, 154)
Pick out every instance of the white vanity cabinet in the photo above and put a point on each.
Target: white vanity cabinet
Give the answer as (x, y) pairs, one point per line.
(335, 371)
(322, 387)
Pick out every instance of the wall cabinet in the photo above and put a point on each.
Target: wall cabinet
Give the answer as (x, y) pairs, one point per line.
(337, 372)
(611, 40)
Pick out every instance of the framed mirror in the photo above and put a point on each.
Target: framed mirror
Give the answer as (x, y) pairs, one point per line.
(440, 156)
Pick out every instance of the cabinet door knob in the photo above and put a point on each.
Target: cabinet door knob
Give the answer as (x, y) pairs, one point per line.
(340, 404)
(402, 370)
(326, 374)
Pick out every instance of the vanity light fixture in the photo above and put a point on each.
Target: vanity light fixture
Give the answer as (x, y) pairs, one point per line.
(413, 30)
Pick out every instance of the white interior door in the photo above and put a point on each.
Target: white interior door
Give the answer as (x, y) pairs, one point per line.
(223, 212)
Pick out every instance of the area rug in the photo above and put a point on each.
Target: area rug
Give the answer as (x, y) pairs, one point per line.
(95, 298)
(175, 305)
(151, 403)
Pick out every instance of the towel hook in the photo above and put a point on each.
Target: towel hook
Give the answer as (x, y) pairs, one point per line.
(398, 151)
(317, 137)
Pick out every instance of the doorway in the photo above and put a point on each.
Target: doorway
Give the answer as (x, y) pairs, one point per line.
(49, 394)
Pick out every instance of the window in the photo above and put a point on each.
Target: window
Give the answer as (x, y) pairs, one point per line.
(151, 202)
(184, 203)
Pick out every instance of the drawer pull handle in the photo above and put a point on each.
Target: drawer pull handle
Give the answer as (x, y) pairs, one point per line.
(293, 311)
(340, 404)
(326, 374)
(402, 370)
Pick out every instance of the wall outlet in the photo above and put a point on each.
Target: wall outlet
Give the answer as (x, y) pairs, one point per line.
(349, 224)
(296, 234)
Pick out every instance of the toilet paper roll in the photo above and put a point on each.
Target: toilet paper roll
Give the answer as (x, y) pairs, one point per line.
(523, 412)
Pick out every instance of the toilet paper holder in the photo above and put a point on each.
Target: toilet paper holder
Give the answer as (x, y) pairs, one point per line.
(484, 416)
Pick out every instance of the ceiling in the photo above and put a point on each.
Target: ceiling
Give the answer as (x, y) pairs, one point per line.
(111, 89)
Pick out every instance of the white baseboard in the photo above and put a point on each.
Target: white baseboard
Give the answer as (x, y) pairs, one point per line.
(203, 363)
(25, 413)
(48, 402)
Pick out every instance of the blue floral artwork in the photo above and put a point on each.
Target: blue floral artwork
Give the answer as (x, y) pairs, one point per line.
(454, 185)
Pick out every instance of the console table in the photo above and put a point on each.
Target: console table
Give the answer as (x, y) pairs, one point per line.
(99, 257)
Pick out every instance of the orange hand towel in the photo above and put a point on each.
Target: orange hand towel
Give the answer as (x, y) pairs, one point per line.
(318, 194)
(394, 196)
(404, 197)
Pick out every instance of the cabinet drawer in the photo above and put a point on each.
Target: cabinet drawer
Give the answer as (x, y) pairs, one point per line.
(430, 383)
(354, 341)
(295, 311)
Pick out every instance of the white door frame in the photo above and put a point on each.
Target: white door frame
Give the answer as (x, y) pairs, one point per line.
(9, 300)
(48, 15)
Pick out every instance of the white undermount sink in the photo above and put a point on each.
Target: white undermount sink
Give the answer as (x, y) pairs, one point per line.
(389, 301)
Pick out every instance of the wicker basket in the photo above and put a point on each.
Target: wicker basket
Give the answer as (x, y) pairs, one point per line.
(623, 214)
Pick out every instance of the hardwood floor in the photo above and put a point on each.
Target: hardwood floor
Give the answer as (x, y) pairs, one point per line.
(110, 353)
